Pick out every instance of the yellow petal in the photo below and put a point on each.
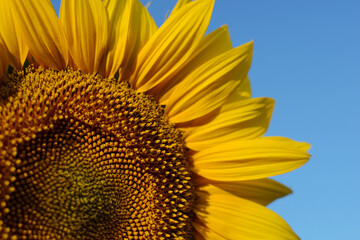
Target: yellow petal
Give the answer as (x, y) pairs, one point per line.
(208, 87)
(13, 40)
(242, 91)
(172, 45)
(179, 5)
(212, 45)
(245, 119)
(261, 191)
(42, 32)
(250, 159)
(32, 60)
(4, 61)
(86, 26)
(236, 218)
(130, 28)
(203, 233)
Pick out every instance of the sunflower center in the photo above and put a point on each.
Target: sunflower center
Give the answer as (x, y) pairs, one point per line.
(83, 157)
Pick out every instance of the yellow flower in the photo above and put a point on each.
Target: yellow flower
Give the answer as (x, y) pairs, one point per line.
(113, 128)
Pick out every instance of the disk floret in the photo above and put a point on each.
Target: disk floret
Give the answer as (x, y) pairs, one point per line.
(82, 157)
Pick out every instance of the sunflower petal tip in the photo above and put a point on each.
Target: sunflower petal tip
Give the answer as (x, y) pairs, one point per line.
(224, 28)
(250, 44)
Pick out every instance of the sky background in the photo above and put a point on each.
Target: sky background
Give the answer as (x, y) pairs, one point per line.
(306, 57)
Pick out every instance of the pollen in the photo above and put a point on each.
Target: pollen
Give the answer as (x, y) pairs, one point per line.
(83, 157)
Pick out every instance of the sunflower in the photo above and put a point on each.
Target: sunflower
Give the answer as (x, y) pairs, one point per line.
(113, 128)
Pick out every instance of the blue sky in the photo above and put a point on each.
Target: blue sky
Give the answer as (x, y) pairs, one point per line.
(306, 57)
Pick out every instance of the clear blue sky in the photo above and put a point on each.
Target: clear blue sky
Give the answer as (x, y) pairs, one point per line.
(306, 57)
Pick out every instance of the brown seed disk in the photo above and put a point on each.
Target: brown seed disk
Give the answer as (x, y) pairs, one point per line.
(82, 157)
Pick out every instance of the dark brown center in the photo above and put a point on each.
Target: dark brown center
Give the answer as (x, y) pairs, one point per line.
(84, 157)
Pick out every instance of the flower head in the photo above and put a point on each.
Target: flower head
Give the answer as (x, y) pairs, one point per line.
(113, 128)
